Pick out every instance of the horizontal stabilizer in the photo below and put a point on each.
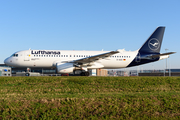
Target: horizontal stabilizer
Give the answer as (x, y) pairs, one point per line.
(157, 56)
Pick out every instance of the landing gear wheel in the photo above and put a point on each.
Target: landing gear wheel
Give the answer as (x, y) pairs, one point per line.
(86, 73)
(27, 74)
(82, 74)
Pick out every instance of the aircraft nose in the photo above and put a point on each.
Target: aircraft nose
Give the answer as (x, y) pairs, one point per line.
(7, 61)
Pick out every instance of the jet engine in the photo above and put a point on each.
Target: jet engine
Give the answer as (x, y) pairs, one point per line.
(64, 67)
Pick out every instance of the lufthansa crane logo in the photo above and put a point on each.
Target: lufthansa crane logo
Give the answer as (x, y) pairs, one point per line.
(153, 44)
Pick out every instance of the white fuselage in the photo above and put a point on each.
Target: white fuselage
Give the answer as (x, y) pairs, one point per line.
(49, 58)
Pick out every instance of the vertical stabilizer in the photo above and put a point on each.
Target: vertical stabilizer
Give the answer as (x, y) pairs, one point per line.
(153, 43)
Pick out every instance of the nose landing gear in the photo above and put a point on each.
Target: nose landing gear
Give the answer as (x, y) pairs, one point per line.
(28, 72)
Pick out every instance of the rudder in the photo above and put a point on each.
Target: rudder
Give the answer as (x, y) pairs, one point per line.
(153, 43)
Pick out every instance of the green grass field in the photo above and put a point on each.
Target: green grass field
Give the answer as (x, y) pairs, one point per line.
(90, 98)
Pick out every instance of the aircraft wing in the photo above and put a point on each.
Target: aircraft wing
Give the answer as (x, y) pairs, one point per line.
(95, 57)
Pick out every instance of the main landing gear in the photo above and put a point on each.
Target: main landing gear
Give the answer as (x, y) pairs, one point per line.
(86, 73)
(81, 72)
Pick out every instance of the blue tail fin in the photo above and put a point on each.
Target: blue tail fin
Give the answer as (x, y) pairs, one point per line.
(153, 43)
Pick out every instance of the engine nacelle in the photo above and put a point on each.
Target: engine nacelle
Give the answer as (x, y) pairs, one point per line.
(64, 67)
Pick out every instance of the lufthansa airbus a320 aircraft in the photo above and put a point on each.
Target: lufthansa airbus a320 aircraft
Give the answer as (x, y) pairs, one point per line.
(69, 61)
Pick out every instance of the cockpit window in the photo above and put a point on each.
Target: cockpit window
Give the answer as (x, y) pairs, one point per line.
(15, 55)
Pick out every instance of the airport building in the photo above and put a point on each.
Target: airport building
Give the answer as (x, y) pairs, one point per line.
(127, 72)
(5, 71)
(98, 72)
(12, 71)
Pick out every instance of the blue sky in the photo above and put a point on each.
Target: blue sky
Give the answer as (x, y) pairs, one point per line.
(88, 25)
